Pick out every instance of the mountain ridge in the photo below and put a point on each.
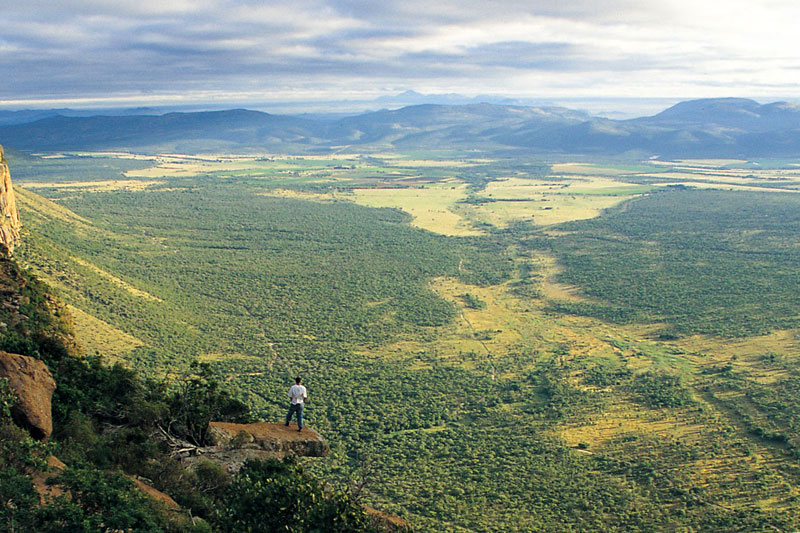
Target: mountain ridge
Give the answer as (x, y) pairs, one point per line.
(714, 127)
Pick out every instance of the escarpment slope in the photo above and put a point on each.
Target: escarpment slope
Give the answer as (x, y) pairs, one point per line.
(122, 441)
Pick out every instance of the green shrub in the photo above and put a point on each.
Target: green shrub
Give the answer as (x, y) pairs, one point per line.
(276, 496)
(18, 500)
(95, 500)
(661, 390)
(197, 400)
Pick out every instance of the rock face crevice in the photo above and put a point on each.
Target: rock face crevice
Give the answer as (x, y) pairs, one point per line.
(9, 216)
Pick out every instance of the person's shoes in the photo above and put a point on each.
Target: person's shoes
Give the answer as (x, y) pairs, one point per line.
(300, 429)
(287, 424)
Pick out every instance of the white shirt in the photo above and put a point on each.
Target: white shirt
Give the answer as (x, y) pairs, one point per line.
(298, 394)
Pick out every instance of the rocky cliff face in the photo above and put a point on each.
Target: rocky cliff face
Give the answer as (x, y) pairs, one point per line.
(9, 216)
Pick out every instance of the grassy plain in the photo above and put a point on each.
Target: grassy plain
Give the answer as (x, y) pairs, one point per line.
(432, 207)
(108, 185)
(431, 190)
(491, 408)
(707, 173)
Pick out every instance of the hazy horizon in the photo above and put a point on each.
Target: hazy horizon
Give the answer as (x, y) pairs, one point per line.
(616, 57)
(603, 107)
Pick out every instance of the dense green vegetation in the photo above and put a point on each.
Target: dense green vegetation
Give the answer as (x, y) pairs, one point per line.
(274, 496)
(770, 411)
(266, 288)
(268, 277)
(716, 262)
(75, 168)
(105, 419)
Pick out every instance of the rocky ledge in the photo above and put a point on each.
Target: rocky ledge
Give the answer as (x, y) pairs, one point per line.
(233, 444)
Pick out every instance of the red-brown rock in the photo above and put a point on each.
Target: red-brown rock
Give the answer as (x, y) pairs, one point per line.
(270, 437)
(165, 500)
(9, 216)
(54, 467)
(233, 444)
(33, 384)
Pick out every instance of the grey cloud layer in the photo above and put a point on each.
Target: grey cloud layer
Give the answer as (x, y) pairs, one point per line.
(74, 48)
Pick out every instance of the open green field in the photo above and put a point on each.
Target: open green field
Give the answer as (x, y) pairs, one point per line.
(512, 345)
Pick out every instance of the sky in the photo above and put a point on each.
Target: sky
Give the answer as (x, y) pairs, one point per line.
(105, 53)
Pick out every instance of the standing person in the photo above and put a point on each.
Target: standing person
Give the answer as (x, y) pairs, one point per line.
(297, 396)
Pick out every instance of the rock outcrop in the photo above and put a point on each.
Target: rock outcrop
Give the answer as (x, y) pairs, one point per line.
(233, 444)
(164, 500)
(48, 490)
(276, 438)
(9, 216)
(33, 384)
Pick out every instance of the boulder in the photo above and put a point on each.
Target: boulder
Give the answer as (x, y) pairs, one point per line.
(163, 499)
(33, 384)
(51, 490)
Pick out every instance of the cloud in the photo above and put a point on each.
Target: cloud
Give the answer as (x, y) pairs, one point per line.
(93, 48)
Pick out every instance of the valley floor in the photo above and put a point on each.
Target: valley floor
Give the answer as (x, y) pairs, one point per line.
(521, 370)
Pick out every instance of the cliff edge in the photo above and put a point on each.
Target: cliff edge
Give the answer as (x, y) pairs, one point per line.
(231, 445)
(9, 216)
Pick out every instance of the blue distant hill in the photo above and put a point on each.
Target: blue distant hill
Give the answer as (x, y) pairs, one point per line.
(723, 127)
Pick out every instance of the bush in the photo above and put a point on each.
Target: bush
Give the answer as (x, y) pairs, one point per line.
(98, 501)
(661, 390)
(276, 496)
(197, 400)
(18, 499)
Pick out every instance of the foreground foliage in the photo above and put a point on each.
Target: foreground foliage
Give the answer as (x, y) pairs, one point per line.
(275, 496)
(105, 421)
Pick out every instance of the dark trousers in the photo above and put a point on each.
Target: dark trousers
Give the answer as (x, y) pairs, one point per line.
(295, 408)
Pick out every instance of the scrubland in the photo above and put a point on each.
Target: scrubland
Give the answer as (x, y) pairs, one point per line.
(509, 345)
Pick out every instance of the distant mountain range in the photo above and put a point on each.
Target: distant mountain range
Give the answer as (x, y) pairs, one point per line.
(722, 127)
